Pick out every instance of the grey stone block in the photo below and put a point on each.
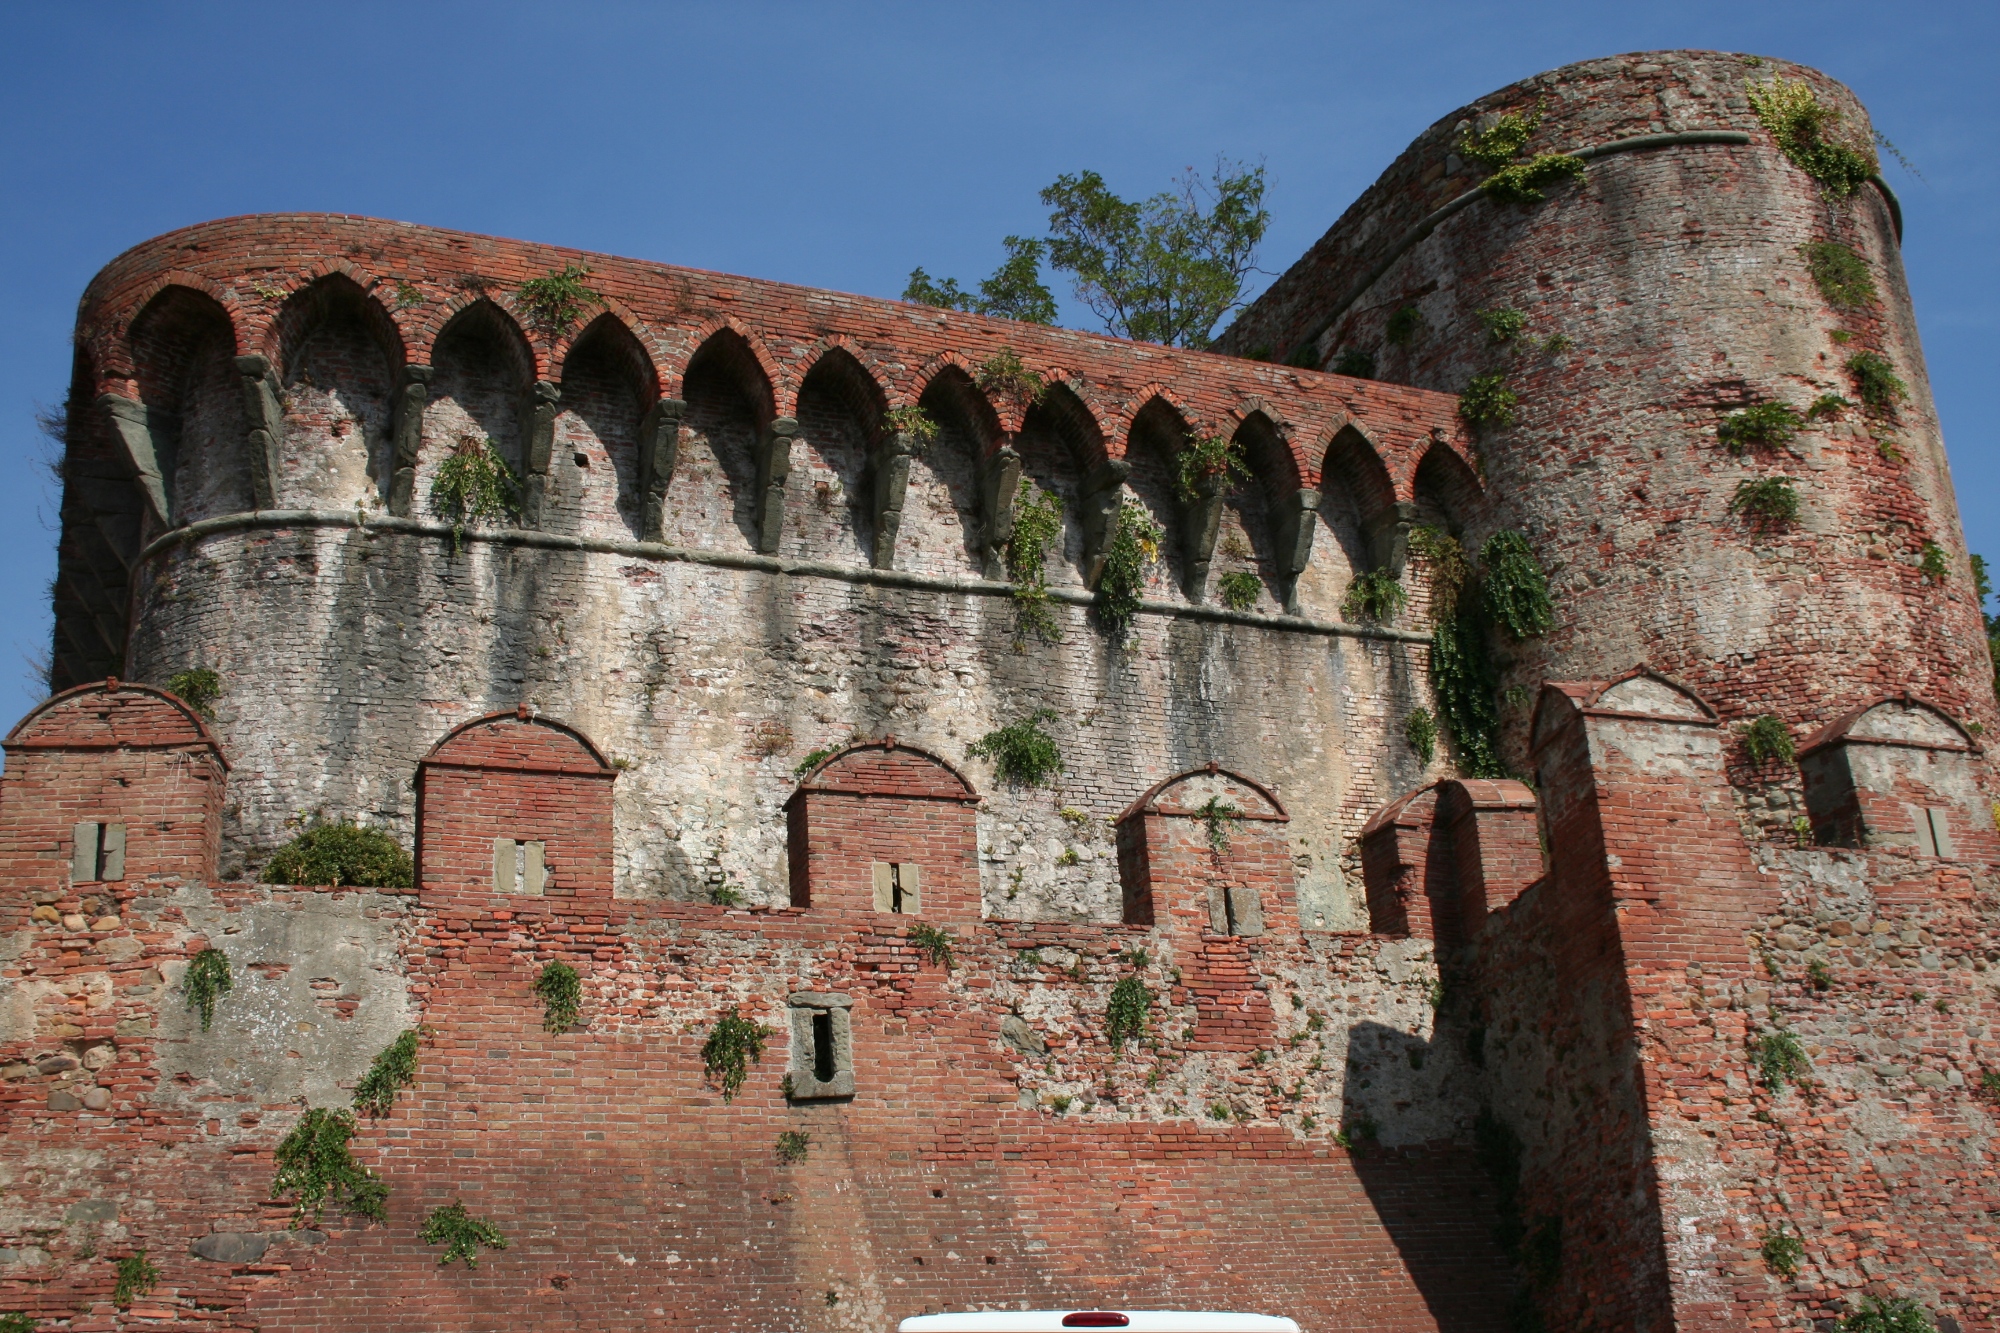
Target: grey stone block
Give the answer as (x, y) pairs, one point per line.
(233, 1247)
(92, 1210)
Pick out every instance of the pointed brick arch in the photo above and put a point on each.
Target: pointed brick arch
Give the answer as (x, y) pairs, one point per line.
(879, 827)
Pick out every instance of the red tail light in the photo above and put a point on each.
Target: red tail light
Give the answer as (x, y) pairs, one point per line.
(1096, 1319)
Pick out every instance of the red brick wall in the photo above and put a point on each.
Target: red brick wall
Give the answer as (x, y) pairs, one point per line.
(885, 802)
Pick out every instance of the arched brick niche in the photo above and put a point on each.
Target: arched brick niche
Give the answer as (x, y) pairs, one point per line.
(517, 805)
(1436, 860)
(1205, 851)
(1202, 856)
(887, 828)
(111, 784)
(1898, 773)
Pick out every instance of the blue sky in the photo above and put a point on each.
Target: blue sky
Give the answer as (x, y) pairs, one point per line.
(841, 145)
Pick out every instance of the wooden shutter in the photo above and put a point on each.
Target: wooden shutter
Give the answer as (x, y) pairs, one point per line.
(911, 881)
(113, 859)
(536, 873)
(885, 887)
(1940, 835)
(503, 865)
(83, 860)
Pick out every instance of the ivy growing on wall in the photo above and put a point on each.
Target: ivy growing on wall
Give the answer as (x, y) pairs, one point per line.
(1499, 147)
(1420, 730)
(1768, 738)
(1238, 589)
(1933, 565)
(1023, 754)
(1037, 527)
(394, 1069)
(1134, 545)
(342, 854)
(1126, 1016)
(315, 1164)
(1487, 401)
(1376, 595)
(793, 1145)
(1218, 818)
(1768, 502)
(1403, 327)
(1516, 590)
(1782, 1252)
(136, 1277)
(207, 980)
(1809, 133)
(198, 688)
(1356, 362)
(474, 485)
(733, 1045)
(1525, 182)
(560, 989)
(1898, 1314)
(935, 944)
(1780, 1059)
(1204, 459)
(1761, 426)
(460, 1233)
(912, 421)
(1840, 274)
(1875, 380)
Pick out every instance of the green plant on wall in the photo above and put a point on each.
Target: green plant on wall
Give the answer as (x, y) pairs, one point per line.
(1875, 380)
(1005, 373)
(474, 485)
(16, 1322)
(1465, 686)
(1420, 730)
(207, 980)
(1207, 458)
(1488, 402)
(813, 759)
(912, 421)
(1238, 589)
(1840, 274)
(1135, 543)
(1404, 327)
(560, 990)
(1127, 1014)
(734, 1044)
(1218, 818)
(198, 688)
(1502, 325)
(343, 855)
(793, 1145)
(1502, 141)
(1933, 564)
(460, 1233)
(1355, 361)
(1037, 527)
(1768, 502)
(557, 300)
(1898, 1314)
(1022, 753)
(1780, 1059)
(1782, 1252)
(1761, 426)
(1525, 182)
(1768, 738)
(1516, 591)
(1828, 406)
(935, 944)
(1447, 564)
(1377, 596)
(136, 1277)
(394, 1069)
(1808, 132)
(314, 1163)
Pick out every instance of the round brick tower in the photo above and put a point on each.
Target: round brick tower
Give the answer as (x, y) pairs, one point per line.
(1665, 288)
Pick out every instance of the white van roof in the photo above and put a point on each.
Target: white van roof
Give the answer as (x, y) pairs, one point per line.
(1133, 1321)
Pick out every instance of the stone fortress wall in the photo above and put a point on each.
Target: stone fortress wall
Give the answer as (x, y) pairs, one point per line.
(730, 561)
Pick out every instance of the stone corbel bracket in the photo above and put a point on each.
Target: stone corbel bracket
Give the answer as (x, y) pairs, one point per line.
(999, 485)
(774, 464)
(406, 433)
(889, 479)
(1201, 522)
(659, 453)
(1100, 498)
(1298, 518)
(266, 437)
(142, 430)
(1387, 533)
(538, 437)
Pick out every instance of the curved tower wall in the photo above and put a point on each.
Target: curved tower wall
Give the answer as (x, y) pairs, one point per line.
(1675, 274)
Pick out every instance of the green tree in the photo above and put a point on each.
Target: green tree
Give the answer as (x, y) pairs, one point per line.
(1163, 269)
(1015, 291)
